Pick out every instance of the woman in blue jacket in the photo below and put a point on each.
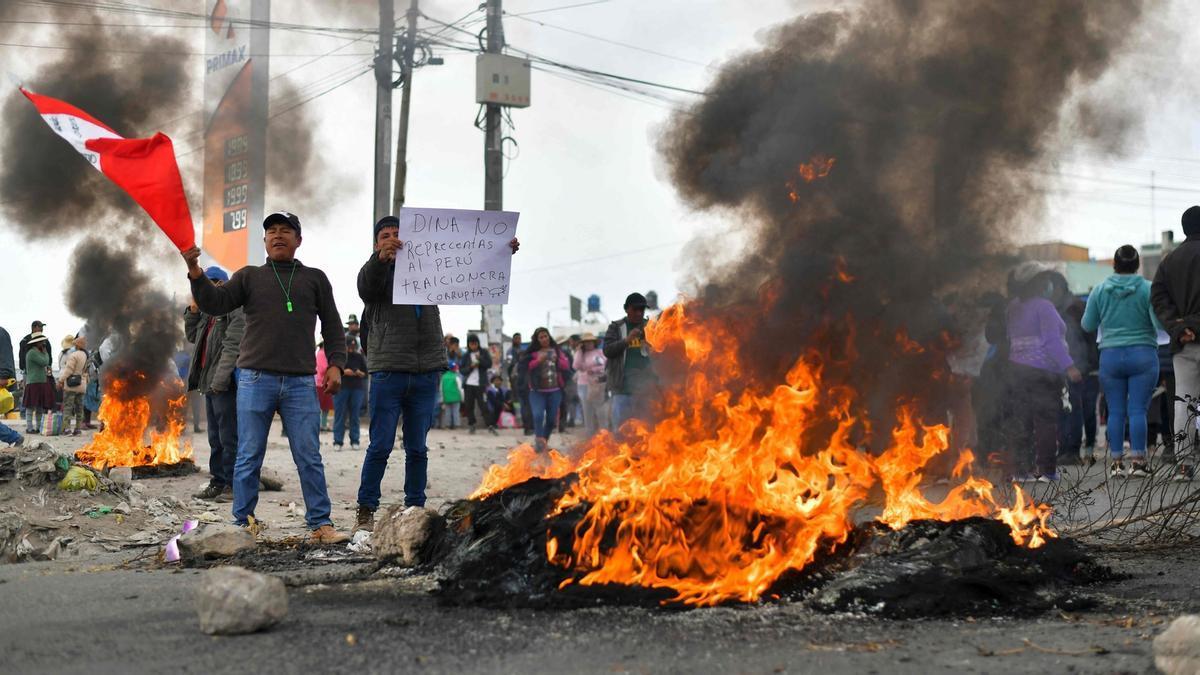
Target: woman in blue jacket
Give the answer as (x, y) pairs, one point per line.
(1120, 308)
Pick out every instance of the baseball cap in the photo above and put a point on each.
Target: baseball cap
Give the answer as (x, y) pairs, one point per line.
(283, 217)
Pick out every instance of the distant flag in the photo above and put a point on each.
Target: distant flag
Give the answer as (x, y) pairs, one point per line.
(144, 167)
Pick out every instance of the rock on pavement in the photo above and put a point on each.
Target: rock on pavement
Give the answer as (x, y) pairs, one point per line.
(407, 534)
(234, 600)
(214, 540)
(1177, 649)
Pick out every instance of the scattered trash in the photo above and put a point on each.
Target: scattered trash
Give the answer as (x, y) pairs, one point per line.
(172, 551)
(122, 507)
(208, 517)
(234, 600)
(33, 465)
(97, 511)
(360, 542)
(78, 478)
(292, 511)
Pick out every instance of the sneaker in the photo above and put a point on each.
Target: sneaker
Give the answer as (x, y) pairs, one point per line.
(226, 496)
(1051, 477)
(76, 432)
(365, 519)
(325, 534)
(210, 491)
(1024, 478)
(337, 447)
(354, 446)
(1117, 470)
(493, 431)
(1139, 470)
(1184, 473)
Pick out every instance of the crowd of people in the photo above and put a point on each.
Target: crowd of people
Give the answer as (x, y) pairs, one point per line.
(1056, 365)
(251, 355)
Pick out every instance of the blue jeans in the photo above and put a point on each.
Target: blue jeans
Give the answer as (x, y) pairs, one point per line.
(346, 404)
(220, 408)
(545, 406)
(393, 395)
(626, 407)
(1128, 376)
(9, 436)
(260, 395)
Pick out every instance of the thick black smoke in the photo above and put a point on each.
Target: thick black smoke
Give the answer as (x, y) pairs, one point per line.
(130, 79)
(939, 116)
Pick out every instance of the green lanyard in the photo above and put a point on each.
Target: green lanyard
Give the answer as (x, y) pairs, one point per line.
(287, 292)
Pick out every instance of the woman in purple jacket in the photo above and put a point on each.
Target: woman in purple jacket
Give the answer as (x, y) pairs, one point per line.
(1039, 364)
(548, 367)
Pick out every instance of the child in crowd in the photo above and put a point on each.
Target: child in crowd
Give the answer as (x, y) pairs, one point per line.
(452, 396)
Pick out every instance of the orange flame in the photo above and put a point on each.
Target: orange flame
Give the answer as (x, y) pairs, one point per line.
(126, 422)
(818, 167)
(730, 490)
(1027, 521)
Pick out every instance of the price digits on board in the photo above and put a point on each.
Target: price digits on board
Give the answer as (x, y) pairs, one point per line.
(237, 175)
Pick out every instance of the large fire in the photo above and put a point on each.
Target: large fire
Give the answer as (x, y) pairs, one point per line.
(727, 491)
(135, 433)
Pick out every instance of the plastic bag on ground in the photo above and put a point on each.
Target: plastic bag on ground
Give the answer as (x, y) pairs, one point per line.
(78, 478)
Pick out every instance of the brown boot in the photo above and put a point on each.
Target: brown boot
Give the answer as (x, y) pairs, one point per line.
(325, 534)
(365, 519)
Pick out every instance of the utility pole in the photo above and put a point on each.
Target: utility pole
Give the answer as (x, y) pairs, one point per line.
(406, 70)
(492, 321)
(383, 108)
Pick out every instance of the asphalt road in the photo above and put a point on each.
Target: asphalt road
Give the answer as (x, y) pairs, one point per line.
(64, 618)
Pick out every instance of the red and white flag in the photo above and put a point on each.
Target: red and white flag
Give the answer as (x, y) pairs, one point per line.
(144, 167)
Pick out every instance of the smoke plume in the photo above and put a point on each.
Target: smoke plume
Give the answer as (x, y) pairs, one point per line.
(886, 155)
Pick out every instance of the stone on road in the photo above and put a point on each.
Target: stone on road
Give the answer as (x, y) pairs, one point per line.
(234, 600)
(214, 540)
(406, 534)
(1177, 649)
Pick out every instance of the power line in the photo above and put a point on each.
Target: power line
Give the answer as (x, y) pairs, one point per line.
(608, 41)
(556, 9)
(600, 73)
(161, 53)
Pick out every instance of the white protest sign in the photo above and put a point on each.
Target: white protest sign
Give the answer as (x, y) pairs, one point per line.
(454, 257)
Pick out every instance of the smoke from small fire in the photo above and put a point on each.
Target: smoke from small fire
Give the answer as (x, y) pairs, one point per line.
(896, 146)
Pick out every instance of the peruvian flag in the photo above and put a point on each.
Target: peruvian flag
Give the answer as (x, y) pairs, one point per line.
(144, 167)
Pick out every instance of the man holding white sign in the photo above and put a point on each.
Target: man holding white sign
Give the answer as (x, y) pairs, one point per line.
(423, 258)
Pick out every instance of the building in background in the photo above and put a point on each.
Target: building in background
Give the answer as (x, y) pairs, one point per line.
(1083, 272)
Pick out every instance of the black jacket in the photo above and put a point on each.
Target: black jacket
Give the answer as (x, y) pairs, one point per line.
(1175, 292)
(396, 338)
(221, 347)
(483, 366)
(7, 367)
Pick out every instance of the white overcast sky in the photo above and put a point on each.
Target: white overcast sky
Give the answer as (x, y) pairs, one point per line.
(598, 213)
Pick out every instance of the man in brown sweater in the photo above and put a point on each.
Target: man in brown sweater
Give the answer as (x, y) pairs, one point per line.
(281, 300)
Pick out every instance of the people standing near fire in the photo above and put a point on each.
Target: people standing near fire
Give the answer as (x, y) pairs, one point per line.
(474, 366)
(590, 366)
(216, 344)
(348, 401)
(1077, 425)
(73, 380)
(407, 355)
(630, 371)
(1120, 309)
(35, 329)
(1038, 360)
(518, 381)
(1175, 295)
(282, 300)
(548, 369)
(39, 396)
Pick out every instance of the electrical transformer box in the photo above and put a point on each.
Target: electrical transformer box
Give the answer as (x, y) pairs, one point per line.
(502, 80)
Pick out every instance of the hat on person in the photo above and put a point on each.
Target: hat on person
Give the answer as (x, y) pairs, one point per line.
(1028, 270)
(35, 338)
(635, 300)
(37, 324)
(215, 273)
(386, 221)
(588, 337)
(1191, 221)
(282, 217)
(67, 342)
(353, 319)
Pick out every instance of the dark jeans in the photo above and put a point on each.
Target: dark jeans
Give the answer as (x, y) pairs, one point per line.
(7, 435)
(220, 408)
(1161, 419)
(346, 404)
(545, 411)
(526, 410)
(1077, 429)
(260, 395)
(1036, 396)
(394, 394)
(1128, 375)
(474, 398)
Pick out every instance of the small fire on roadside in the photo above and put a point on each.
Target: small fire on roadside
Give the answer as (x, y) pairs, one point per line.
(738, 482)
(139, 430)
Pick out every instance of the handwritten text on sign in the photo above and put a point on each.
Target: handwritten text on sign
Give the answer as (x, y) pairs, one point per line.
(454, 257)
